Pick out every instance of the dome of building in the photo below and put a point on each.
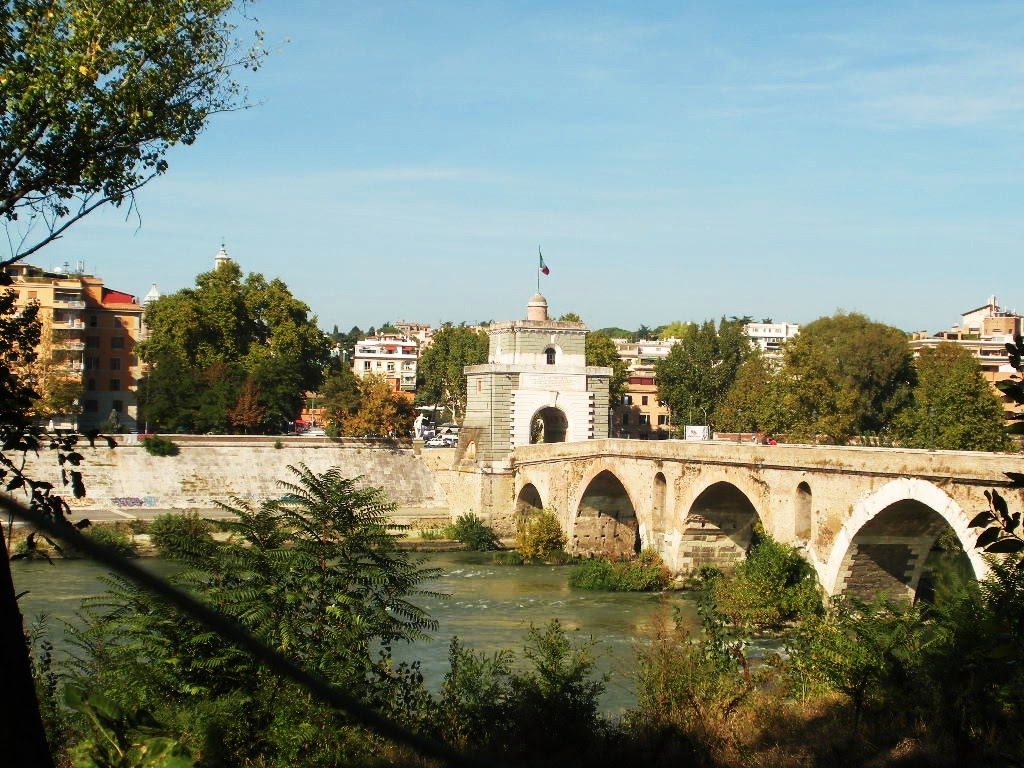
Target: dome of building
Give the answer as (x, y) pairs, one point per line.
(153, 295)
(537, 309)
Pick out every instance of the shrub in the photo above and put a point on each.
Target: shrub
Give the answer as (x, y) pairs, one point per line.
(554, 703)
(112, 536)
(179, 536)
(474, 533)
(540, 537)
(596, 574)
(278, 444)
(644, 573)
(160, 446)
(433, 533)
(772, 586)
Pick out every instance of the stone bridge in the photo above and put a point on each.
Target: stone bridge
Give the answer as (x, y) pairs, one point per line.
(866, 518)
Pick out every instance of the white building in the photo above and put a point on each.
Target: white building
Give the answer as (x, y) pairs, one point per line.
(769, 337)
(390, 355)
(643, 354)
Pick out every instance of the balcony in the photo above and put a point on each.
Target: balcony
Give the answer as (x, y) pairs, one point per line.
(69, 303)
(68, 325)
(77, 346)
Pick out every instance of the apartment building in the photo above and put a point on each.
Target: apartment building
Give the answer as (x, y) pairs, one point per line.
(984, 331)
(769, 337)
(641, 415)
(90, 333)
(392, 356)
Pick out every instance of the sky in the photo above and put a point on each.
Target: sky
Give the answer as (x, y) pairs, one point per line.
(674, 161)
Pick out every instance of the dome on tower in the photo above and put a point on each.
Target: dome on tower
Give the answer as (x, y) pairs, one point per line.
(537, 309)
(153, 295)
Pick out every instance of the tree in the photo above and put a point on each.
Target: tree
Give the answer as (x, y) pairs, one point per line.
(59, 390)
(953, 407)
(248, 413)
(847, 375)
(218, 335)
(698, 371)
(20, 332)
(601, 351)
(318, 576)
(382, 412)
(643, 333)
(441, 378)
(756, 400)
(339, 394)
(570, 317)
(676, 330)
(94, 96)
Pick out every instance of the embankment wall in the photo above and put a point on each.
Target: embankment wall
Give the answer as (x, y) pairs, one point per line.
(212, 469)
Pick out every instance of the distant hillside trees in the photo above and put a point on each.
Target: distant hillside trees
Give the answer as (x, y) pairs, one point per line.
(232, 353)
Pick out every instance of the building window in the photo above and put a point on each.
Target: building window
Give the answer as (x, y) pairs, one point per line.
(118, 406)
(645, 419)
(117, 342)
(643, 400)
(115, 385)
(366, 365)
(627, 399)
(391, 366)
(663, 420)
(625, 419)
(550, 353)
(92, 342)
(115, 363)
(90, 385)
(91, 406)
(92, 321)
(92, 363)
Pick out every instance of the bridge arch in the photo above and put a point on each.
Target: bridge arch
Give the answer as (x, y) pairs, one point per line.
(528, 500)
(718, 528)
(549, 425)
(605, 520)
(885, 540)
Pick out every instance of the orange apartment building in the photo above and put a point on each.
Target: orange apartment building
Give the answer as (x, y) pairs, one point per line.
(92, 334)
(984, 332)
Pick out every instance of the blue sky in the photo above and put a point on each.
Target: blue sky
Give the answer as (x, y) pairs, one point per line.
(675, 161)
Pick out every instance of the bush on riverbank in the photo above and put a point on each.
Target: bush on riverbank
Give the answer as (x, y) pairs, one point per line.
(474, 533)
(644, 573)
(160, 446)
(180, 536)
(117, 536)
(772, 586)
(539, 537)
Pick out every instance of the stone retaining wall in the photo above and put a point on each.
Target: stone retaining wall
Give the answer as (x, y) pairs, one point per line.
(218, 468)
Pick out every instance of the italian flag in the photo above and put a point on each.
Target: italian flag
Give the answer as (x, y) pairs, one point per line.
(543, 267)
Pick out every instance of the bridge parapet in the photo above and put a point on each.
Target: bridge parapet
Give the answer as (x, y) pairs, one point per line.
(965, 466)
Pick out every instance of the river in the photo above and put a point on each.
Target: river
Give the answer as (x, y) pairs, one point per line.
(489, 607)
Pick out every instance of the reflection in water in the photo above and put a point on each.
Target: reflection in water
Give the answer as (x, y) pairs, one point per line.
(489, 607)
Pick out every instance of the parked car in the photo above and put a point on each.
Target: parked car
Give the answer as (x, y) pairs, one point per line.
(436, 442)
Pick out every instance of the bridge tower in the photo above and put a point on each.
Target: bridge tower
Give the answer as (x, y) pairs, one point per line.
(535, 388)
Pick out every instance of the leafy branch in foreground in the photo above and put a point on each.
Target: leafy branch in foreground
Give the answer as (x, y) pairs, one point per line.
(94, 96)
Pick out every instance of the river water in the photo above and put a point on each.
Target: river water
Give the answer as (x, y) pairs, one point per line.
(489, 607)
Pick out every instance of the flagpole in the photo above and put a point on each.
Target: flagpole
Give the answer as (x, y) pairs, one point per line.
(538, 271)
